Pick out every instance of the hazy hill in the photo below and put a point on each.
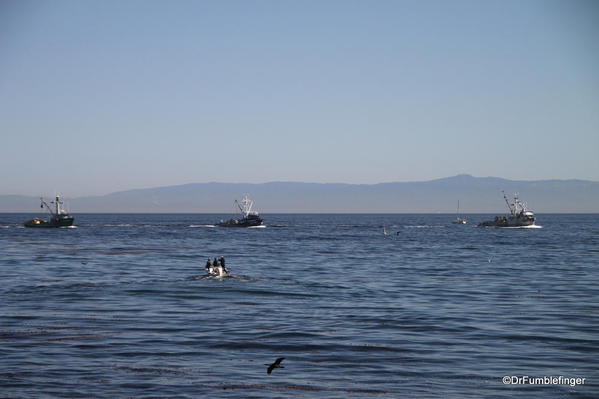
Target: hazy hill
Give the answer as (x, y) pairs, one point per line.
(476, 195)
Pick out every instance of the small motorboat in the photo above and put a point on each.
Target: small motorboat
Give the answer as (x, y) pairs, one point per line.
(217, 271)
(216, 268)
(58, 217)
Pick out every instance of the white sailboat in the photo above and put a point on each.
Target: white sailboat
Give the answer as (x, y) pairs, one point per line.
(458, 219)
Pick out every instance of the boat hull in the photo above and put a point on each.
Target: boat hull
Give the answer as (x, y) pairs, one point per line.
(503, 221)
(64, 221)
(245, 222)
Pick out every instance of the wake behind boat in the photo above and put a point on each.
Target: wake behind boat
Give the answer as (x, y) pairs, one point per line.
(249, 219)
(519, 216)
(58, 217)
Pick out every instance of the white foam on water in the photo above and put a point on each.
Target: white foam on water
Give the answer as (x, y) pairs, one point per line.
(534, 226)
(118, 225)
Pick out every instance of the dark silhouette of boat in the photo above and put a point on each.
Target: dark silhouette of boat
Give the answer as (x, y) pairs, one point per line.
(249, 219)
(58, 217)
(519, 216)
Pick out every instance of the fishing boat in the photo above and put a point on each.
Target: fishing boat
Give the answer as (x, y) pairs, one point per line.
(58, 217)
(519, 215)
(248, 219)
(458, 219)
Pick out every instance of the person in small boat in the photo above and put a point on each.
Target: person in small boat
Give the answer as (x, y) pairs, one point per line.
(222, 263)
(216, 267)
(219, 267)
(212, 267)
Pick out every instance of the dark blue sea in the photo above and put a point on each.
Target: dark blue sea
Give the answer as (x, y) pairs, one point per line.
(119, 307)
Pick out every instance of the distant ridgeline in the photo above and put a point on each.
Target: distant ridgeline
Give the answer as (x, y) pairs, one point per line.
(476, 195)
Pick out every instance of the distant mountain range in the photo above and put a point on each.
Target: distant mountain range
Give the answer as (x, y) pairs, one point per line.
(476, 195)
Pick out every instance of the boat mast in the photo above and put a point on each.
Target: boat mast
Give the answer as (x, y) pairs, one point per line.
(519, 206)
(58, 203)
(508, 203)
(245, 206)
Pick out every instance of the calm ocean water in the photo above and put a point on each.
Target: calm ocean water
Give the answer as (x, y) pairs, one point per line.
(119, 307)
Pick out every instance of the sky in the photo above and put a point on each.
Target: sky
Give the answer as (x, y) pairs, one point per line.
(104, 96)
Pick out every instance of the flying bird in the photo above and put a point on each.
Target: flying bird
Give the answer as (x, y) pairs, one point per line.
(275, 365)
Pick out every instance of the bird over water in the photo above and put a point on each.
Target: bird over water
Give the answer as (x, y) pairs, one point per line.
(275, 365)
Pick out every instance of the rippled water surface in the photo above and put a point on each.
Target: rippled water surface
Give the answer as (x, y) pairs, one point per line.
(120, 307)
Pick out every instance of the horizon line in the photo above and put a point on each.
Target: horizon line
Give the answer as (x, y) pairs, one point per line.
(305, 213)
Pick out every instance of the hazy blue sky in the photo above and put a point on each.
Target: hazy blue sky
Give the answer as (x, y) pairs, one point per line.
(100, 96)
